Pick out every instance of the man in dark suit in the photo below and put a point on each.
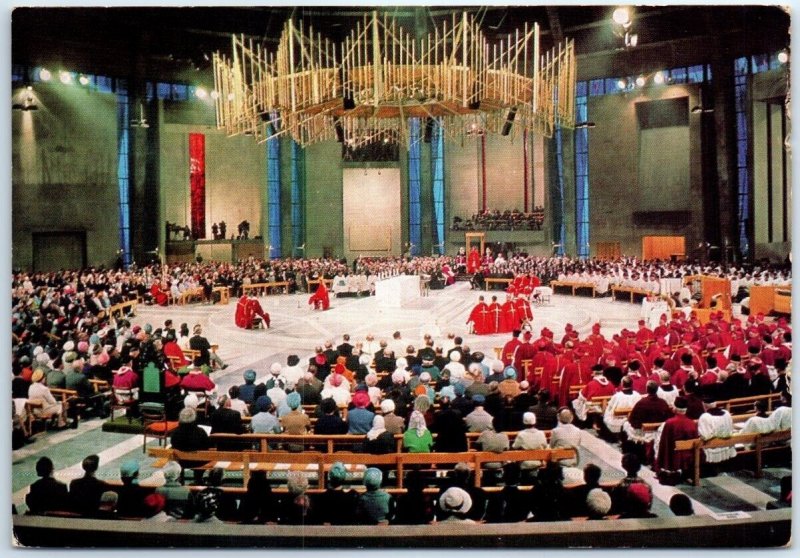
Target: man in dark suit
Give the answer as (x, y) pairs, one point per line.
(47, 493)
(225, 420)
(345, 349)
(199, 343)
(85, 492)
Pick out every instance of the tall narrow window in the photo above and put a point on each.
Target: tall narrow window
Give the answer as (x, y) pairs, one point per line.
(582, 173)
(414, 189)
(298, 173)
(437, 159)
(123, 176)
(197, 183)
(741, 72)
(274, 194)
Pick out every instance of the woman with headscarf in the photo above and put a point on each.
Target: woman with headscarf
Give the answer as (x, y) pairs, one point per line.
(375, 506)
(378, 440)
(417, 439)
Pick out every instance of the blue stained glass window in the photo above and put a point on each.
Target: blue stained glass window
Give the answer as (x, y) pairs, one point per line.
(581, 175)
(678, 75)
(760, 63)
(164, 90)
(414, 189)
(596, 87)
(437, 159)
(298, 171)
(695, 74)
(274, 194)
(741, 72)
(123, 175)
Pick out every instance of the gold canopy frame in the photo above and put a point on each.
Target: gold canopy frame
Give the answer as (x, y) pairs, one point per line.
(369, 85)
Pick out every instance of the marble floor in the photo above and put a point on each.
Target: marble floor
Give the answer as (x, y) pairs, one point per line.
(297, 329)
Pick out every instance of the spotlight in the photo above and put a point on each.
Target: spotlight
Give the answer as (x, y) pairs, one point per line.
(658, 78)
(83, 80)
(640, 81)
(45, 75)
(65, 77)
(783, 57)
(214, 95)
(200, 93)
(622, 84)
(622, 16)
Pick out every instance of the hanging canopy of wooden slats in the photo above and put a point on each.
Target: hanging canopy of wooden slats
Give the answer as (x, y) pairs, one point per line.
(364, 88)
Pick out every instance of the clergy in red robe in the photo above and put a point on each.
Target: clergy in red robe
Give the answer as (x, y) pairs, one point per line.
(549, 377)
(523, 310)
(244, 313)
(172, 349)
(257, 310)
(679, 427)
(480, 318)
(487, 259)
(507, 356)
(160, 296)
(320, 298)
(495, 316)
(510, 318)
(525, 351)
(473, 261)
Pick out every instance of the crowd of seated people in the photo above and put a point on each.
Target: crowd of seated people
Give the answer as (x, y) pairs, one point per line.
(496, 220)
(435, 395)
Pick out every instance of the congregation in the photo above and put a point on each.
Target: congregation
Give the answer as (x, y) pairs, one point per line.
(538, 392)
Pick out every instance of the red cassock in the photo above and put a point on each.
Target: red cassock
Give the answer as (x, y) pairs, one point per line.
(172, 349)
(523, 310)
(549, 375)
(510, 316)
(257, 310)
(320, 298)
(244, 313)
(481, 319)
(473, 261)
(679, 427)
(507, 356)
(159, 296)
(526, 351)
(495, 318)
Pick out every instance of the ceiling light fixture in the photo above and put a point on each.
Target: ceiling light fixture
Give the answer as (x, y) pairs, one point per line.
(45, 75)
(783, 57)
(65, 77)
(83, 80)
(658, 78)
(622, 16)
(640, 81)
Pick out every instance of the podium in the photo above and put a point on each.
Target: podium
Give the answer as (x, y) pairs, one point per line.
(398, 291)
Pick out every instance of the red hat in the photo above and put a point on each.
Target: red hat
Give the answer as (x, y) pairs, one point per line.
(641, 323)
(595, 328)
(639, 492)
(361, 399)
(527, 336)
(568, 327)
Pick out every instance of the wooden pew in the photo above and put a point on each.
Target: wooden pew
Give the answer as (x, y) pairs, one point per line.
(262, 289)
(328, 283)
(247, 461)
(753, 444)
(574, 285)
(499, 280)
(631, 290)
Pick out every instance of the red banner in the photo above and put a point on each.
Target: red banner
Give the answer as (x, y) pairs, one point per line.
(197, 183)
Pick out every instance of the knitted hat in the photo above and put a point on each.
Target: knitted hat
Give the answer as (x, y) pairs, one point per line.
(129, 468)
(598, 502)
(293, 400)
(338, 472)
(529, 419)
(510, 373)
(387, 406)
(263, 404)
(373, 478)
(478, 399)
(249, 376)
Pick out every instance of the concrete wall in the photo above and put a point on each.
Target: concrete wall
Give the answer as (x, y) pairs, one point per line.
(324, 225)
(235, 177)
(64, 170)
(613, 171)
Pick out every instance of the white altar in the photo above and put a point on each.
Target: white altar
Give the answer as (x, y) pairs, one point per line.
(398, 291)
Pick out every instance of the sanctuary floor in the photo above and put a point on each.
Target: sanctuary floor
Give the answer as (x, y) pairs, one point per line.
(297, 330)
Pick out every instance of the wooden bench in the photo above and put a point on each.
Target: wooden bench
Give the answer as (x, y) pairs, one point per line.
(195, 293)
(753, 443)
(574, 285)
(499, 280)
(745, 404)
(328, 283)
(123, 308)
(321, 462)
(631, 290)
(262, 289)
(224, 294)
